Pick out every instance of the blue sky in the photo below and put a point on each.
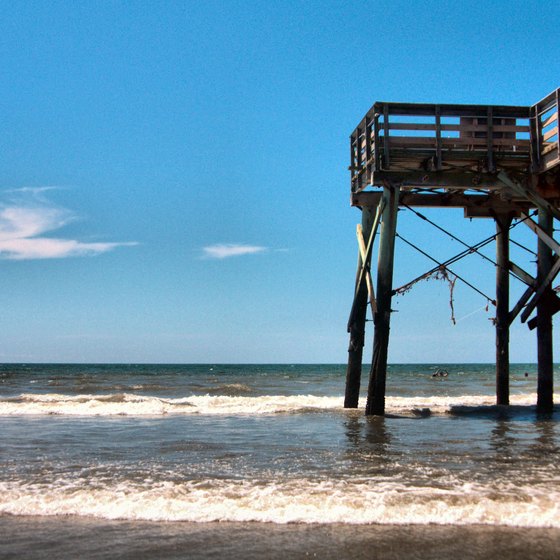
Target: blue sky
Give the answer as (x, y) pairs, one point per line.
(174, 184)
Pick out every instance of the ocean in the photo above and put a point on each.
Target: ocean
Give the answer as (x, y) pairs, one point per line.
(263, 461)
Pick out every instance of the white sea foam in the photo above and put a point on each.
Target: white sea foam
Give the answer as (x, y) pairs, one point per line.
(296, 501)
(127, 404)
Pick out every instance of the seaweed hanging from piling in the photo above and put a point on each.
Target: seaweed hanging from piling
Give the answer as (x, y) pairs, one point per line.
(440, 273)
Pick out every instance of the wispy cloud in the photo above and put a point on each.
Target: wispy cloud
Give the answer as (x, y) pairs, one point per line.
(24, 220)
(226, 250)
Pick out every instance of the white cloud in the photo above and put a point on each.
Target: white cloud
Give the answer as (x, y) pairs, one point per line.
(226, 250)
(28, 216)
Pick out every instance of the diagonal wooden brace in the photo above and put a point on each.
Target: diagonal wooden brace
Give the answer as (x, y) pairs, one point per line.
(532, 287)
(554, 246)
(365, 258)
(542, 235)
(525, 277)
(541, 290)
(365, 267)
(529, 194)
(552, 304)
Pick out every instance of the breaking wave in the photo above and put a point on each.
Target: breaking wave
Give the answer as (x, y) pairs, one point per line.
(294, 501)
(129, 404)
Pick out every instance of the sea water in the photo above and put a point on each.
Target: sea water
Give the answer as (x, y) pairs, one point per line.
(200, 461)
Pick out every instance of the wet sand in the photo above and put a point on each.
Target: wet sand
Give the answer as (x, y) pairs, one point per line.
(38, 538)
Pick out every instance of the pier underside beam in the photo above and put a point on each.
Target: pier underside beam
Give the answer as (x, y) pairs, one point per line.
(376, 390)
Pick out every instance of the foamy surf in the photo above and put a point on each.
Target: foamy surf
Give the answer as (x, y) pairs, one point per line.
(128, 404)
(294, 501)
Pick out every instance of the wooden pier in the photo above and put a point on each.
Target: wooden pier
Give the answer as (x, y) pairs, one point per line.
(499, 162)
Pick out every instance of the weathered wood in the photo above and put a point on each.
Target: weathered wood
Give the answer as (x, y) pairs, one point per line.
(438, 138)
(433, 199)
(521, 303)
(548, 121)
(552, 302)
(542, 289)
(356, 324)
(503, 223)
(365, 256)
(550, 133)
(543, 236)
(529, 194)
(557, 96)
(439, 155)
(525, 277)
(386, 158)
(456, 127)
(376, 389)
(457, 143)
(544, 322)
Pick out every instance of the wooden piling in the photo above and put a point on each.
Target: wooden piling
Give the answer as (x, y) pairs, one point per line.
(376, 390)
(357, 322)
(503, 223)
(544, 321)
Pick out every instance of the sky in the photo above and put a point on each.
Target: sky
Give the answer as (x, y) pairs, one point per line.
(174, 182)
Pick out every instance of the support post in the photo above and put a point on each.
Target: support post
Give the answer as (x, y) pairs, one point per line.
(357, 322)
(544, 321)
(503, 223)
(376, 390)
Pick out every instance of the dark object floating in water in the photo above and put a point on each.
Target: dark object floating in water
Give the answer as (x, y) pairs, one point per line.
(440, 373)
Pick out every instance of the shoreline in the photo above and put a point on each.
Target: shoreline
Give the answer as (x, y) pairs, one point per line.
(38, 537)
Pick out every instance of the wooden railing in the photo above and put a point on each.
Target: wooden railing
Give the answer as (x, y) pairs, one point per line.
(544, 118)
(400, 138)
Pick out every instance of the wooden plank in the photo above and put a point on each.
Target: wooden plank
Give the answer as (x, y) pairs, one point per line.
(521, 304)
(490, 142)
(386, 158)
(438, 138)
(552, 305)
(548, 121)
(464, 143)
(377, 145)
(549, 134)
(557, 135)
(552, 273)
(542, 235)
(538, 200)
(548, 147)
(366, 256)
(368, 140)
(457, 127)
(365, 268)
(525, 277)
